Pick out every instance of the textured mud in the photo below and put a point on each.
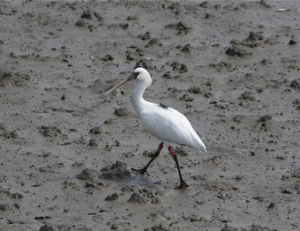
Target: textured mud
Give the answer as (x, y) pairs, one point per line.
(231, 67)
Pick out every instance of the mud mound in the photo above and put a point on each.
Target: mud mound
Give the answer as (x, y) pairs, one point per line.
(117, 170)
(17, 79)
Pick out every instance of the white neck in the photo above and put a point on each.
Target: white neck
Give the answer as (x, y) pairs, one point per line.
(137, 96)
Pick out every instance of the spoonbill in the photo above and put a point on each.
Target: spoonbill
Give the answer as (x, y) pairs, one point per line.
(163, 122)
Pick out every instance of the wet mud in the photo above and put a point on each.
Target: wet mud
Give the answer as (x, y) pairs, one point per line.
(232, 68)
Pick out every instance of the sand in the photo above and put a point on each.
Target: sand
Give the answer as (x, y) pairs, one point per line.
(232, 68)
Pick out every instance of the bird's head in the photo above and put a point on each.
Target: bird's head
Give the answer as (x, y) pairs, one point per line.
(139, 74)
(143, 76)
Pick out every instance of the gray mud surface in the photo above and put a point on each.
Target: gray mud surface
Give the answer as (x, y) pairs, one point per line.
(231, 67)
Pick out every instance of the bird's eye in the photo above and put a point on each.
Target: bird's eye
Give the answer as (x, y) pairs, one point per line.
(136, 74)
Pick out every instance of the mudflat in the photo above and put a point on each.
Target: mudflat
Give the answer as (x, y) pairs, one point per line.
(231, 67)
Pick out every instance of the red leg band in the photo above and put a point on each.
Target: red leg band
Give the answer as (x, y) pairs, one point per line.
(172, 151)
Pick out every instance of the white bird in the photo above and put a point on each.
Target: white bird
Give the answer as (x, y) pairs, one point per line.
(163, 122)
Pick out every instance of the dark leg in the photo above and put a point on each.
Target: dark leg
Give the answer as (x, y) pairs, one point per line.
(182, 182)
(144, 170)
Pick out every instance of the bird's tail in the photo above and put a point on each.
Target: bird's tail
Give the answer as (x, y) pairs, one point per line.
(198, 143)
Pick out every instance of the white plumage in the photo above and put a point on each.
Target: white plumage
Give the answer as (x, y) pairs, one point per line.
(167, 124)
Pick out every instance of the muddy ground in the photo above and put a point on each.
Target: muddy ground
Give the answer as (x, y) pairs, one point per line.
(231, 67)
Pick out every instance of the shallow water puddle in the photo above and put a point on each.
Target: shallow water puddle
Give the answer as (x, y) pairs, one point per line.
(139, 181)
(135, 180)
(61, 178)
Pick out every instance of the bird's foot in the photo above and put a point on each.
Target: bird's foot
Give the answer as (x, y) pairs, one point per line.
(183, 184)
(140, 171)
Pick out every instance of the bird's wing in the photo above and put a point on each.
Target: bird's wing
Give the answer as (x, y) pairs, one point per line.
(170, 125)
